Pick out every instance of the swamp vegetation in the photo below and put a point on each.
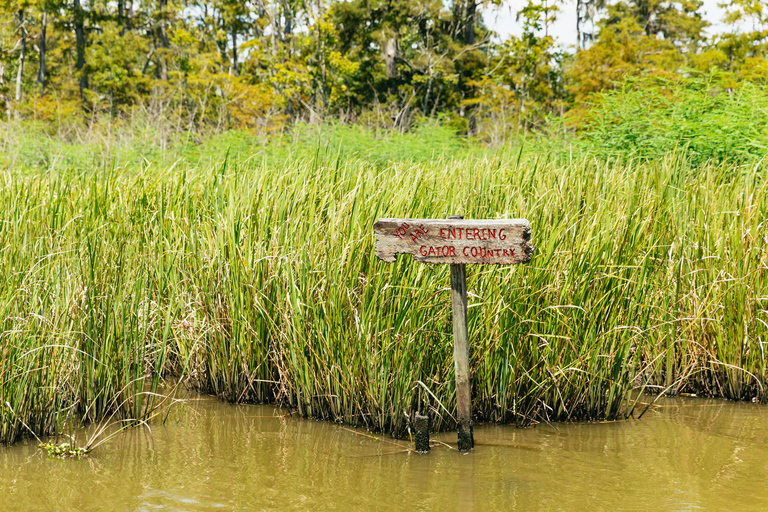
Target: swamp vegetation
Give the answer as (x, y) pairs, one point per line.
(255, 280)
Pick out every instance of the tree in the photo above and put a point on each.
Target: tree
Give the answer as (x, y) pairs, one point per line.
(745, 51)
(524, 83)
(79, 24)
(22, 30)
(213, 64)
(586, 10)
(679, 22)
(41, 50)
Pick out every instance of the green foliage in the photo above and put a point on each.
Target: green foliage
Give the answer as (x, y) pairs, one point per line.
(526, 84)
(648, 118)
(207, 66)
(427, 141)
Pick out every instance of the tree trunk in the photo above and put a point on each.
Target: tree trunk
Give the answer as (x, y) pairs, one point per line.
(221, 46)
(288, 13)
(22, 54)
(121, 16)
(275, 29)
(80, 47)
(261, 13)
(288, 38)
(148, 59)
(469, 39)
(41, 50)
(321, 56)
(390, 57)
(163, 6)
(578, 24)
(3, 97)
(429, 83)
(471, 121)
(128, 15)
(164, 43)
(469, 24)
(458, 21)
(234, 51)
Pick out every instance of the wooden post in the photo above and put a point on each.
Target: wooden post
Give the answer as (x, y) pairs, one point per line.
(421, 429)
(461, 353)
(457, 242)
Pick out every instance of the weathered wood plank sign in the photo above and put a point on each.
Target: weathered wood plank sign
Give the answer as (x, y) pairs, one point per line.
(487, 242)
(457, 242)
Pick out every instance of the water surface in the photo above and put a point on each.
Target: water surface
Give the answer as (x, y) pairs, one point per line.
(687, 454)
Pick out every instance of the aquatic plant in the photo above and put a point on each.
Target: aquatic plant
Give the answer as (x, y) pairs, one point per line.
(64, 450)
(257, 282)
(107, 428)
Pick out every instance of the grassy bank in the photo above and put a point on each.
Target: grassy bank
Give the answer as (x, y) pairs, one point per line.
(257, 281)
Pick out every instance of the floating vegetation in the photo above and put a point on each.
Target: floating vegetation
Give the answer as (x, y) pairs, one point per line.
(64, 450)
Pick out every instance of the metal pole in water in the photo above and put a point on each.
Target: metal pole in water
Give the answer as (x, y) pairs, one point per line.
(461, 353)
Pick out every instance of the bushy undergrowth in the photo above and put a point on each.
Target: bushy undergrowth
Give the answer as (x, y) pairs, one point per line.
(702, 118)
(257, 281)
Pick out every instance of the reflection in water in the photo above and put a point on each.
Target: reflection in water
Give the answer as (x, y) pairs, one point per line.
(684, 455)
(466, 494)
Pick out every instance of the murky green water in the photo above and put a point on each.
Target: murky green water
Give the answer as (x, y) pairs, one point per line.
(689, 454)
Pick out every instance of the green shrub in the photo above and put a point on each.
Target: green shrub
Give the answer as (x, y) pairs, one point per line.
(649, 117)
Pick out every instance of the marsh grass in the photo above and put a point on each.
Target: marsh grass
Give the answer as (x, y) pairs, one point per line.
(256, 281)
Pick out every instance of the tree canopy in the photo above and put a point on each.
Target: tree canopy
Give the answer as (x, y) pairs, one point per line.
(262, 64)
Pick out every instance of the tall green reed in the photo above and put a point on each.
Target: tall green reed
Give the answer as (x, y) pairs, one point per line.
(257, 282)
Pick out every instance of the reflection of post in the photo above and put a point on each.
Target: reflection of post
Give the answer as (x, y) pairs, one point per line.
(461, 353)
(465, 498)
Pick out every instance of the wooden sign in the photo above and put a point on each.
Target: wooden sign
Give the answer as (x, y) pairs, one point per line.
(457, 242)
(485, 242)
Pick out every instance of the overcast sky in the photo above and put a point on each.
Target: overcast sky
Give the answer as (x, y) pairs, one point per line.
(502, 20)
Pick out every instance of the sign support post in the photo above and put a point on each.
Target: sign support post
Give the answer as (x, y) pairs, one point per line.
(461, 356)
(461, 353)
(456, 241)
